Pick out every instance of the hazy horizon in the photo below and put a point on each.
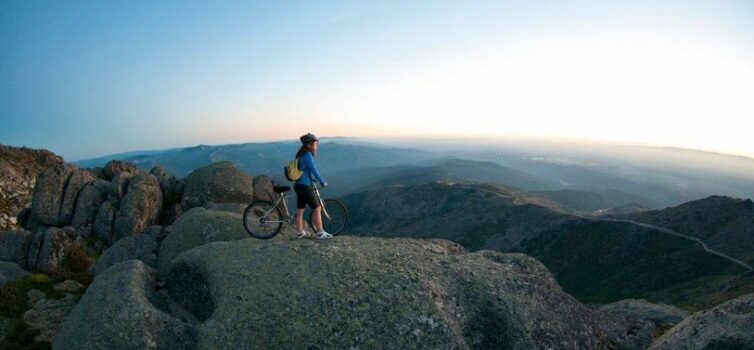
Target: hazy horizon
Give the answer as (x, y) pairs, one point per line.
(87, 79)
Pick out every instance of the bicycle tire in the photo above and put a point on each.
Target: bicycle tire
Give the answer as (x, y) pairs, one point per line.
(254, 221)
(338, 213)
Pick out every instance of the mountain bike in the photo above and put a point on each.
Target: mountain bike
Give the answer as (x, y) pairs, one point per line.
(264, 219)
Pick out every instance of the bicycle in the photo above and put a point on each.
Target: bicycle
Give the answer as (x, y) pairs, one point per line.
(264, 220)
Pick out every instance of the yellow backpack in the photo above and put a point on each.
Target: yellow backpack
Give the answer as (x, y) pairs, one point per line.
(292, 172)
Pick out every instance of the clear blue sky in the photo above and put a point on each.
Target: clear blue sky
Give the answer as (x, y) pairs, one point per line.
(88, 78)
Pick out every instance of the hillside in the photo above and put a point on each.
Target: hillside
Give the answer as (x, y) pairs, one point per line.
(723, 223)
(594, 260)
(19, 168)
(457, 170)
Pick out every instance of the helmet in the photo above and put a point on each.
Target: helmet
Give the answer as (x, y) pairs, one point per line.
(308, 138)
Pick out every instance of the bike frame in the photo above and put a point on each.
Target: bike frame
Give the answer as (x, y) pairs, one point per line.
(284, 198)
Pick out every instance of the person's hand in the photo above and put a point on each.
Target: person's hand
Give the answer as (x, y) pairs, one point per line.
(324, 185)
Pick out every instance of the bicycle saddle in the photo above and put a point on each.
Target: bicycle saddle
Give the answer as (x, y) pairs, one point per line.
(281, 189)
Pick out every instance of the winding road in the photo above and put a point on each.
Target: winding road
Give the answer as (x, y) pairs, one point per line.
(649, 226)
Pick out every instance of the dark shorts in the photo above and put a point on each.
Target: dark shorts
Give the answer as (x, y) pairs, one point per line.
(304, 196)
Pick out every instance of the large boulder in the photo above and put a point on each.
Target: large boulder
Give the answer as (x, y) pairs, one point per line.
(383, 293)
(263, 189)
(47, 248)
(121, 310)
(140, 206)
(113, 167)
(662, 315)
(171, 190)
(119, 186)
(726, 326)
(77, 181)
(104, 222)
(48, 193)
(14, 246)
(10, 271)
(89, 200)
(197, 227)
(140, 247)
(219, 182)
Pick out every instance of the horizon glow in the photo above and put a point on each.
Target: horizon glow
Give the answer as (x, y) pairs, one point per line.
(88, 79)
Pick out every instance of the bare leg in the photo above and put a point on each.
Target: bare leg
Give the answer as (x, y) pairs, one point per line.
(317, 218)
(299, 220)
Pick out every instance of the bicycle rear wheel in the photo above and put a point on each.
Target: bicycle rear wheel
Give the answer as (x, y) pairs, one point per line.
(338, 216)
(262, 220)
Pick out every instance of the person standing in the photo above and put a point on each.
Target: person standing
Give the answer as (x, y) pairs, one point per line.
(304, 190)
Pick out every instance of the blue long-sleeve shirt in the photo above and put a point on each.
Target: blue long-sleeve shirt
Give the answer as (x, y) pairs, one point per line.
(306, 164)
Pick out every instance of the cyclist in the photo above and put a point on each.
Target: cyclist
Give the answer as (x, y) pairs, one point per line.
(304, 190)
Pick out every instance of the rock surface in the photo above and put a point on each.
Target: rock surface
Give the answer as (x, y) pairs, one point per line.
(140, 247)
(383, 293)
(104, 221)
(48, 248)
(10, 271)
(19, 168)
(114, 167)
(14, 246)
(197, 227)
(118, 312)
(219, 182)
(263, 189)
(48, 193)
(76, 182)
(640, 309)
(140, 206)
(727, 326)
(89, 200)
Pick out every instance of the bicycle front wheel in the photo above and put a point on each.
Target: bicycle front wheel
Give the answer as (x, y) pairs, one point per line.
(336, 218)
(262, 220)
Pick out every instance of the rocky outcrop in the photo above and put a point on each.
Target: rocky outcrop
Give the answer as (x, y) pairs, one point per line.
(263, 189)
(172, 187)
(139, 207)
(49, 192)
(218, 182)
(14, 246)
(114, 167)
(198, 227)
(89, 200)
(47, 248)
(383, 293)
(121, 310)
(77, 181)
(104, 223)
(140, 247)
(10, 271)
(727, 326)
(639, 309)
(19, 169)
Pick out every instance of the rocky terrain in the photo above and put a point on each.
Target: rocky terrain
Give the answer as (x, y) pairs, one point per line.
(81, 221)
(596, 261)
(122, 258)
(344, 293)
(19, 168)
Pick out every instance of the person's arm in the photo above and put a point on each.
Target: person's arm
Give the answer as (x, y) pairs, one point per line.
(309, 159)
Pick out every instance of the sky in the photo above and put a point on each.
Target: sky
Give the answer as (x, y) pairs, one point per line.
(90, 78)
